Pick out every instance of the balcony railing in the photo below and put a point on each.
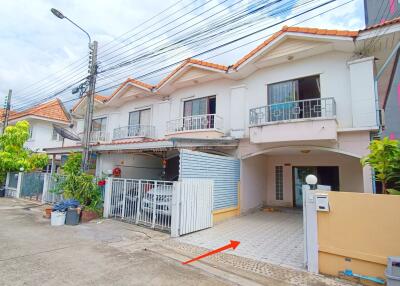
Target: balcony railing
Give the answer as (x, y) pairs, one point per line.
(293, 110)
(97, 136)
(133, 131)
(193, 123)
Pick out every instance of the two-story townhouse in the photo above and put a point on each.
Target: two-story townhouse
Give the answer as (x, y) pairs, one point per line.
(41, 119)
(302, 102)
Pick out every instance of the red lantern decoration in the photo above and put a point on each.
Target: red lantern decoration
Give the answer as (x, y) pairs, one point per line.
(116, 172)
(101, 183)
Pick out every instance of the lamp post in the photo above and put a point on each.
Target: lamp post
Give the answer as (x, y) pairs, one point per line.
(312, 181)
(90, 93)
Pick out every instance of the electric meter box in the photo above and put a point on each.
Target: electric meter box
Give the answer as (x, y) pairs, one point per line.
(322, 202)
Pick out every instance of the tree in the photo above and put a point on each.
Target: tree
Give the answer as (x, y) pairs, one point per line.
(13, 155)
(384, 159)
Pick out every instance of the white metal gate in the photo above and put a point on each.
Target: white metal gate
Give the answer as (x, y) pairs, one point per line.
(192, 206)
(141, 201)
(179, 207)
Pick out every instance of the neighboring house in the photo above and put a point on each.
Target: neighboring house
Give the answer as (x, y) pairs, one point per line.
(302, 102)
(41, 119)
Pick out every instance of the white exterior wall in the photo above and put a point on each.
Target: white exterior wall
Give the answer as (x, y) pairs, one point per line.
(363, 100)
(42, 132)
(133, 166)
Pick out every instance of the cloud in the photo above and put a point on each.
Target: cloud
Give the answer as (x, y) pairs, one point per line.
(34, 43)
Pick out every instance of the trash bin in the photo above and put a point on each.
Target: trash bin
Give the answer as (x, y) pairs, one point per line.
(57, 218)
(2, 192)
(72, 217)
(393, 271)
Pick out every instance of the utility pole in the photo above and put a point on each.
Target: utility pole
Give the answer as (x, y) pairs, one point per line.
(7, 107)
(89, 106)
(89, 95)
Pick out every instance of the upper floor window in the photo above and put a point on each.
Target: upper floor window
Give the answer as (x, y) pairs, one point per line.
(99, 124)
(199, 106)
(292, 99)
(30, 133)
(55, 136)
(140, 117)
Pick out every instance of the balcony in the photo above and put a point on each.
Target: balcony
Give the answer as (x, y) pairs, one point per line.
(301, 120)
(208, 126)
(97, 136)
(134, 132)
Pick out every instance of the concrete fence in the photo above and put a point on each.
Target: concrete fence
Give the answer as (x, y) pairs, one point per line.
(358, 231)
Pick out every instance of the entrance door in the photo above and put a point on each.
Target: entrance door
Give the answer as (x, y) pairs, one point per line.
(299, 178)
(327, 175)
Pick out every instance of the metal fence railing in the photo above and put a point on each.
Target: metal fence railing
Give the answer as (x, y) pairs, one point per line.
(133, 131)
(32, 186)
(144, 202)
(193, 123)
(50, 195)
(292, 110)
(12, 184)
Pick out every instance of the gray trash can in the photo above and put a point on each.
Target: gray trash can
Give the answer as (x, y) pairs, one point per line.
(72, 217)
(393, 271)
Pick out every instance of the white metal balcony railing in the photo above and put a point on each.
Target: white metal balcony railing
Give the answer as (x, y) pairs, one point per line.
(133, 131)
(292, 110)
(97, 136)
(193, 123)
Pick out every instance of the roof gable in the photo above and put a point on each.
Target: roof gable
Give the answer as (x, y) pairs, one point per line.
(51, 110)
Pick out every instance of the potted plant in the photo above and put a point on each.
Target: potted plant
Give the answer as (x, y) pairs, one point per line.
(80, 186)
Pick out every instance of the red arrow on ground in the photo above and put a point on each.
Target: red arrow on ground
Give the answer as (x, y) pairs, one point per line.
(233, 244)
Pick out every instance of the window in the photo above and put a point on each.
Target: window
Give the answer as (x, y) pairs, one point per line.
(55, 136)
(139, 121)
(279, 183)
(199, 106)
(99, 124)
(293, 99)
(30, 133)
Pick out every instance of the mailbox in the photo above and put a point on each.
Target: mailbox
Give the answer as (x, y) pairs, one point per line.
(322, 202)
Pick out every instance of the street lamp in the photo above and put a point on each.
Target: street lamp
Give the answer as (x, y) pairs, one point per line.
(311, 180)
(89, 94)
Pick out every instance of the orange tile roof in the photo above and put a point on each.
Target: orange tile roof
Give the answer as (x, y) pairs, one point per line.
(98, 97)
(53, 109)
(133, 81)
(302, 30)
(191, 61)
(386, 23)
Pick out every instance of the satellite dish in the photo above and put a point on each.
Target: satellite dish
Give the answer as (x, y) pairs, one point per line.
(65, 133)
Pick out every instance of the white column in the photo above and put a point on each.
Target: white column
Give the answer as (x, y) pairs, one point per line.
(53, 163)
(45, 187)
(310, 231)
(367, 179)
(107, 197)
(175, 205)
(19, 184)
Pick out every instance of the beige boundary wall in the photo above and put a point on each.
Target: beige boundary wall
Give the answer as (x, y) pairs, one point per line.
(359, 232)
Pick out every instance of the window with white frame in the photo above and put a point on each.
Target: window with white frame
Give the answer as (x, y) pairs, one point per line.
(30, 133)
(139, 122)
(55, 136)
(279, 183)
(99, 124)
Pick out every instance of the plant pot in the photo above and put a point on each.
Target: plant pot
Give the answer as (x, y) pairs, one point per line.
(72, 217)
(88, 216)
(57, 218)
(47, 212)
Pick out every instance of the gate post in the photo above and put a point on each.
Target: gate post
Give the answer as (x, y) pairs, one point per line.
(175, 209)
(107, 197)
(123, 200)
(139, 202)
(19, 184)
(45, 187)
(310, 228)
(153, 223)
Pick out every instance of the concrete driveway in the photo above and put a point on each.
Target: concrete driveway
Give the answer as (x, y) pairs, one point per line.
(275, 237)
(34, 253)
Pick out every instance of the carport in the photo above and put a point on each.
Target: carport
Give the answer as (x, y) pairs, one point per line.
(275, 237)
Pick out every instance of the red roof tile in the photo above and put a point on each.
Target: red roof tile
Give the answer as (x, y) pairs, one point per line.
(303, 30)
(53, 109)
(386, 23)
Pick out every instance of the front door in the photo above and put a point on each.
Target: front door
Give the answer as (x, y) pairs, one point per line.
(299, 178)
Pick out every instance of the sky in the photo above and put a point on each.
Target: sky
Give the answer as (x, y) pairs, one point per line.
(36, 47)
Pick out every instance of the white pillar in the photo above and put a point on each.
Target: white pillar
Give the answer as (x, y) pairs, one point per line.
(45, 187)
(107, 197)
(19, 184)
(367, 179)
(175, 205)
(310, 228)
(53, 163)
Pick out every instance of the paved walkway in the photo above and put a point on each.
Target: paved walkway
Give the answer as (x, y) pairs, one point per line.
(275, 237)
